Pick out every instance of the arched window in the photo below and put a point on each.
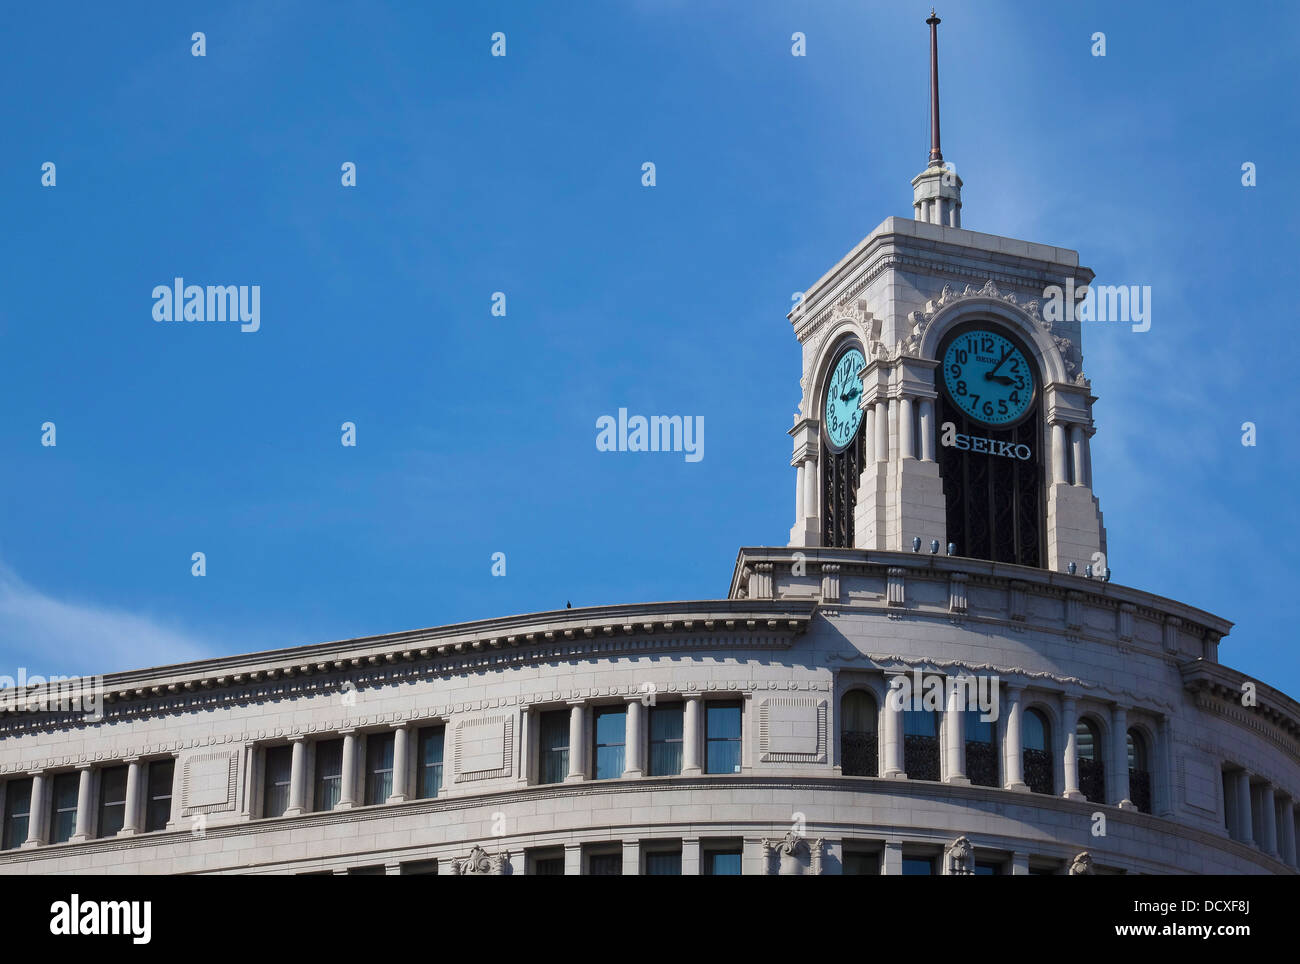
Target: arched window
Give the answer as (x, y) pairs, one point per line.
(858, 734)
(1036, 738)
(981, 750)
(1092, 770)
(1139, 771)
(921, 744)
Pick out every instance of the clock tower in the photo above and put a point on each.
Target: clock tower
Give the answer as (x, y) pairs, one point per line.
(968, 419)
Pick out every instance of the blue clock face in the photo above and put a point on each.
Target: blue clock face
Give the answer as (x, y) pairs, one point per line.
(842, 395)
(988, 377)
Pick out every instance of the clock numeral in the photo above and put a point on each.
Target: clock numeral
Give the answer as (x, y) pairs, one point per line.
(961, 388)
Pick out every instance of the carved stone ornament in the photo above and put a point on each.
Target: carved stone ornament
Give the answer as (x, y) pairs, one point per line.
(480, 861)
(920, 321)
(851, 309)
(961, 858)
(1082, 865)
(789, 852)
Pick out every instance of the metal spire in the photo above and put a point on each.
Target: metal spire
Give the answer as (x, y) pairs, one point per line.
(936, 155)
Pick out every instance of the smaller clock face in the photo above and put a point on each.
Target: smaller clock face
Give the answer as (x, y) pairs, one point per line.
(988, 377)
(842, 413)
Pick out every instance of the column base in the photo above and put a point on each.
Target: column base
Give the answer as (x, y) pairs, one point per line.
(895, 775)
(692, 771)
(79, 838)
(1073, 795)
(1017, 787)
(805, 533)
(127, 832)
(294, 812)
(1126, 805)
(396, 798)
(575, 778)
(633, 774)
(344, 805)
(28, 844)
(958, 781)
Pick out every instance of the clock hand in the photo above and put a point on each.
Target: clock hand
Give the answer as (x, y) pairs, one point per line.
(1000, 379)
(1001, 361)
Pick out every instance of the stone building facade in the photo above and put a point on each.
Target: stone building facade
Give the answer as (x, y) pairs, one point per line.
(823, 718)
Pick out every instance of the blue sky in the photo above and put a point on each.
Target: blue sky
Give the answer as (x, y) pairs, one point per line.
(523, 175)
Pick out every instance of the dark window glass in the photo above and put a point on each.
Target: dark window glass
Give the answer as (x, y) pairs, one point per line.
(722, 863)
(158, 794)
(369, 870)
(548, 867)
(1092, 775)
(981, 750)
(860, 864)
(1139, 772)
(112, 800)
(722, 738)
(663, 863)
(18, 801)
(379, 767)
(63, 807)
(988, 870)
(1037, 757)
(275, 798)
(429, 775)
(553, 738)
(917, 866)
(921, 744)
(420, 868)
(666, 740)
(328, 787)
(610, 734)
(858, 735)
(605, 865)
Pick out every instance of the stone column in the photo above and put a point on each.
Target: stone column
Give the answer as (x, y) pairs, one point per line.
(892, 427)
(893, 734)
(1245, 825)
(1286, 830)
(1070, 765)
(869, 436)
(572, 854)
(1060, 468)
(1119, 788)
(906, 435)
(955, 736)
(634, 741)
(631, 858)
(85, 773)
(178, 779)
(401, 763)
(891, 861)
(882, 432)
(1267, 810)
(131, 818)
(691, 738)
(1077, 454)
(36, 812)
(810, 489)
(692, 854)
(577, 745)
(297, 777)
(927, 430)
(1013, 750)
(1019, 864)
(348, 779)
(798, 494)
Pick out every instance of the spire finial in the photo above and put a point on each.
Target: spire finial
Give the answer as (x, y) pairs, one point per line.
(936, 155)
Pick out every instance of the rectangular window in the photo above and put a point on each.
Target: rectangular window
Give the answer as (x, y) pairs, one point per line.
(279, 767)
(428, 780)
(918, 866)
(158, 795)
(112, 801)
(611, 739)
(987, 869)
(861, 864)
(553, 741)
(722, 862)
(328, 788)
(419, 868)
(379, 767)
(605, 865)
(18, 802)
(666, 740)
(663, 863)
(63, 807)
(722, 737)
(547, 864)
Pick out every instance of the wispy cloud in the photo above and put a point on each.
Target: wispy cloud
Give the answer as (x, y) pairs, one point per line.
(49, 635)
